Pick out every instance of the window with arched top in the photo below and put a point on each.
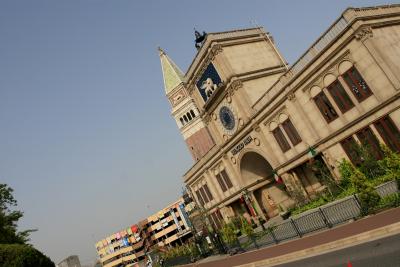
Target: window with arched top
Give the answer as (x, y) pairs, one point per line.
(185, 118)
(277, 129)
(182, 121)
(192, 112)
(357, 84)
(189, 116)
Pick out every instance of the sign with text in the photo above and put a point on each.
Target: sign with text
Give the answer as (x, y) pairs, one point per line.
(241, 145)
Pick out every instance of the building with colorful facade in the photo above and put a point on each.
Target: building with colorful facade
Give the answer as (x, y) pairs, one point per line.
(128, 247)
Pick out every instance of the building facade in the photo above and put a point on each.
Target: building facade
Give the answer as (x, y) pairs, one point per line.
(129, 247)
(253, 124)
(71, 261)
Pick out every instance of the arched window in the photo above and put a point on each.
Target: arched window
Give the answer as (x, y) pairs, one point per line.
(192, 112)
(189, 116)
(185, 118)
(181, 121)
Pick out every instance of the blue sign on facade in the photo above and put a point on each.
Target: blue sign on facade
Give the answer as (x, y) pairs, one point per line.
(208, 82)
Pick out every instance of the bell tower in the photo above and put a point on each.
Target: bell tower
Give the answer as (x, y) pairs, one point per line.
(184, 109)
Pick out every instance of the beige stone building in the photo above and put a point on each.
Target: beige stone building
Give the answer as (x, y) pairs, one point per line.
(251, 121)
(168, 227)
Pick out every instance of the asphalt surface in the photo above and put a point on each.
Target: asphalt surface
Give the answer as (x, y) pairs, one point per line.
(379, 253)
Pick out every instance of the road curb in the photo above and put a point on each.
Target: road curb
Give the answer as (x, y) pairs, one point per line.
(329, 247)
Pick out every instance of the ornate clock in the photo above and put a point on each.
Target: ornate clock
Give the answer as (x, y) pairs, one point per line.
(227, 118)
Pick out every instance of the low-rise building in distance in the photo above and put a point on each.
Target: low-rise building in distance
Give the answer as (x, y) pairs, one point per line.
(71, 261)
(167, 227)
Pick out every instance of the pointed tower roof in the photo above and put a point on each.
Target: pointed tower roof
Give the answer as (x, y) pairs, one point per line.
(173, 76)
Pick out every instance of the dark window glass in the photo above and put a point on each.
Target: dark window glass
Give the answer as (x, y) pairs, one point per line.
(200, 198)
(357, 84)
(210, 197)
(340, 96)
(368, 139)
(325, 107)
(219, 216)
(291, 132)
(192, 112)
(389, 132)
(280, 138)
(203, 194)
(217, 219)
(225, 176)
(350, 147)
(221, 183)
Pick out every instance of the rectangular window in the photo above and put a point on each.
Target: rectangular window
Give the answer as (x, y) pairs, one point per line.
(213, 221)
(221, 182)
(217, 219)
(389, 132)
(203, 195)
(280, 138)
(291, 132)
(350, 147)
(199, 197)
(325, 107)
(209, 196)
(340, 96)
(357, 84)
(367, 138)
(225, 176)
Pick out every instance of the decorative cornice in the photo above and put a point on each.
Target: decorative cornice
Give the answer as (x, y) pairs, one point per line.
(364, 33)
(233, 86)
(207, 118)
(291, 96)
(214, 51)
(236, 84)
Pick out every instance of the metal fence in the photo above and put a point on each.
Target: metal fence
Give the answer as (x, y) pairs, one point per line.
(387, 188)
(323, 217)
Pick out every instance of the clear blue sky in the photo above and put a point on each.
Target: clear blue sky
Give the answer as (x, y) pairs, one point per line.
(86, 136)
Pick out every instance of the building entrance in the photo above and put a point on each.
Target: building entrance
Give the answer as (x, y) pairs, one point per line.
(271, 197)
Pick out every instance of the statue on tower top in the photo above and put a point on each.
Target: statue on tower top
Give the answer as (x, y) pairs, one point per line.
(199, 38)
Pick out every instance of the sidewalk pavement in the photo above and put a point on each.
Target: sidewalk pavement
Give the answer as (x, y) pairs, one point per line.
(370, 227)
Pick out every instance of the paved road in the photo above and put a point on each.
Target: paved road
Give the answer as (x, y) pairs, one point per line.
(383, 252)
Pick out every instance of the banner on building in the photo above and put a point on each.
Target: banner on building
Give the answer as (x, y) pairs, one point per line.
(175, 220)
(184, 215)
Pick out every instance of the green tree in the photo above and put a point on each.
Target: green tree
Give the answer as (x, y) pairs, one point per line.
(367, 195)
(17, 255)
(247, 229)
(368, 165)
(391, 165)
(14, 250)
(228, 233)
(324, 175)
(9, 219)
(346, 170)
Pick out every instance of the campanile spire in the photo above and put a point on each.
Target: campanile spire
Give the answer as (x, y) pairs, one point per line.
(172, 75)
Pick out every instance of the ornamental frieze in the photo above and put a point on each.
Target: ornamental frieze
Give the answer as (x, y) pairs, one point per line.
(364, 33)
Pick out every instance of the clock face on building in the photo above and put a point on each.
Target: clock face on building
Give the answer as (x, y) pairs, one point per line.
(227, 119)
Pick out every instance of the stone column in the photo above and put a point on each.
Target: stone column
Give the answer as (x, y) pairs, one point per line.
(257, 205)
